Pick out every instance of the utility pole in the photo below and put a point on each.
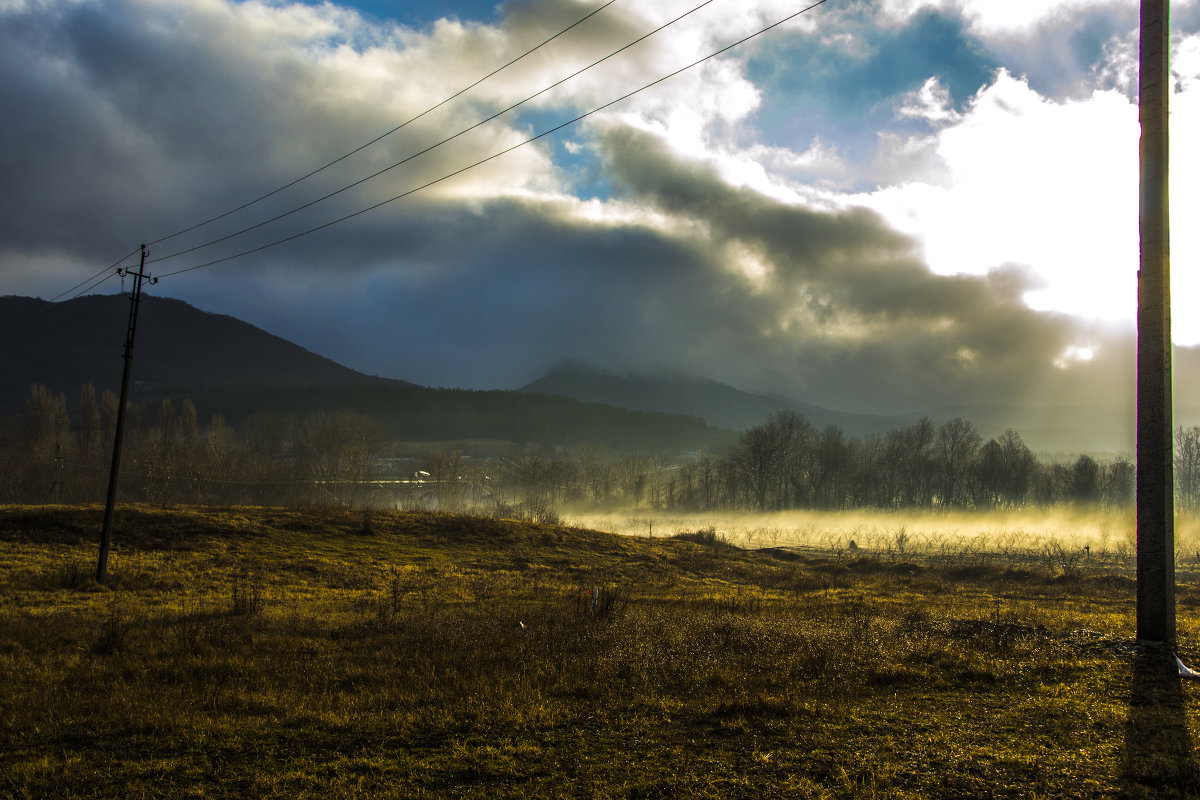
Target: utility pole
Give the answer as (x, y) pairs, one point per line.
(134, 300)
(58, 473)
(1155, 452)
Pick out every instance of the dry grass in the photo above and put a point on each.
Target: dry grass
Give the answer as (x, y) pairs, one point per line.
(1016, 536)
(302, 653)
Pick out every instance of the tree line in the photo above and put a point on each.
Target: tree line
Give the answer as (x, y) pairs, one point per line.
(57, 454)
(786, 463)
(169, 457)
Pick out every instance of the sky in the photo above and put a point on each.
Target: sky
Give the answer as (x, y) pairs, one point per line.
(881, 206)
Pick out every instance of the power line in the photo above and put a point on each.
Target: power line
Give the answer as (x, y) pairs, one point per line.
(110, 267)
(505, 151)
(382, 136)
(51, 327)
(88, 285)
(33, 316)
(88, 312)
(434, 146)
(95, 282)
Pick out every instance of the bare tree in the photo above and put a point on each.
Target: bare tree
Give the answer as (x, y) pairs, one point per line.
(1085, 481)
(833, 458)
(47, 424)
(87, 433)
(755, 459)
(955, 449)
(1187, 467)
(1117, 482)
(1020, 467)
(990, 476)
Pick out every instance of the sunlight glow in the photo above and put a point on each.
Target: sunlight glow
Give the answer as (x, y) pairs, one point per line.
(1073, 355)
(882, 532)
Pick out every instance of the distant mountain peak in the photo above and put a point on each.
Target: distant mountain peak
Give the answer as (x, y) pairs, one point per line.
(719, 404)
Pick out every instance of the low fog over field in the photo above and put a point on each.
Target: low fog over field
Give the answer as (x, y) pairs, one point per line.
(1019, 535)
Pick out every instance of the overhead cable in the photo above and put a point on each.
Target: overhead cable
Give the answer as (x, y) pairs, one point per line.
(343, 157)
(87, 312)
(434, 146)
(505, 151)
(86, 285)
(107, 269)
(382, 136)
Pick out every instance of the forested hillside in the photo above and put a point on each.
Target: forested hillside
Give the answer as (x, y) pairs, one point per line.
(540, 452)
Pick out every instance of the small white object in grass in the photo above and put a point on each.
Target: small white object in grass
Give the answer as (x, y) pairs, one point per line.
(1184, 671)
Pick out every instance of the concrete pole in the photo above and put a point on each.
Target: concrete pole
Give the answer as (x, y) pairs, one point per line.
(1155, 474)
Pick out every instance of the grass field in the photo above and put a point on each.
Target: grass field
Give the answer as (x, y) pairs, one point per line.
(1017, 537)
(317, 653)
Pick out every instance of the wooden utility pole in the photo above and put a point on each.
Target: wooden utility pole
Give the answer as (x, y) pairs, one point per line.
(110, 503)
(1155, 474)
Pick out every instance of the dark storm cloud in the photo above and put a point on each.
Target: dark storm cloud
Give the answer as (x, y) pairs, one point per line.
(846, 314)
(135, 121)
(130, 123)
(517, 287)
(877, 318)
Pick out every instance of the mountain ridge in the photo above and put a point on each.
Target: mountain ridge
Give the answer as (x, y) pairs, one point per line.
(179, 349)
(720, 404)
(229, 367)
(1051, 429)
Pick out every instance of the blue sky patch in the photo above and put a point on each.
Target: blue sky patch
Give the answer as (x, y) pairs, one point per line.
(814, 89)
(570, 148)
(421, 15)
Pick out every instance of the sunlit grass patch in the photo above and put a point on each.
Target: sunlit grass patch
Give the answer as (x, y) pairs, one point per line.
(297, 653)
(1018, 536)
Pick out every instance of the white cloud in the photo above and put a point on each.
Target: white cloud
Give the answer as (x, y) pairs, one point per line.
(220, 101)
(992, 17)
(1017, 178)
(931, 102)
(1000, 18)
(1185, 190)
(1052, 186)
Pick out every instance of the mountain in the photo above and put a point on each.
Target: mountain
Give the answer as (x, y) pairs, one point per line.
(228, 367)
(1057, 432)
(420, 414)
(717, 403)
(179, 351)
(1053, 431)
